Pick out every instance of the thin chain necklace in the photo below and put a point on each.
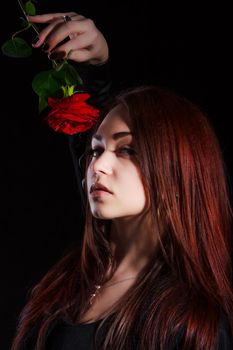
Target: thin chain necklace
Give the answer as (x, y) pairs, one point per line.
(98, 287)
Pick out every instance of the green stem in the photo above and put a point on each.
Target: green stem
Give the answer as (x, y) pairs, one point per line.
(22, 8)
(21, 30)
(25, 15)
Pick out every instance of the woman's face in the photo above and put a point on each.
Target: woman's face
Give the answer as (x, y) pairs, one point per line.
(114, 165)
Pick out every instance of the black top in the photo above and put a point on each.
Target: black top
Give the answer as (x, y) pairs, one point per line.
(63, 335)
(66, 336)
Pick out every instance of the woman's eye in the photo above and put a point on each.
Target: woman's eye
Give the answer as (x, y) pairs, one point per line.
(128, 150)
(94, 152)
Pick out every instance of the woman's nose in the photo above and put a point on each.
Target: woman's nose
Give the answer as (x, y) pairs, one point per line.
(103, 163)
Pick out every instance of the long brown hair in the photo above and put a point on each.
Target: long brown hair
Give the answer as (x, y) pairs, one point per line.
(186, 287)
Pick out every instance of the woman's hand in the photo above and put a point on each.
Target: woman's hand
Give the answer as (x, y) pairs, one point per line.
(85, 43)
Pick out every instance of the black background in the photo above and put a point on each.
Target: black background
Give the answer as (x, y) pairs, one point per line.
(183, 48)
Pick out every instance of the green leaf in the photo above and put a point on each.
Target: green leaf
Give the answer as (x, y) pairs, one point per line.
(16, 47)
(44, 84)
(42, 103)
(30, 8)
(67, 74)
(71, 75)
(59, 73)
(58, 66)
(24, 23)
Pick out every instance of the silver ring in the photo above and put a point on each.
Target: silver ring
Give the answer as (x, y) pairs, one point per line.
(66, 18)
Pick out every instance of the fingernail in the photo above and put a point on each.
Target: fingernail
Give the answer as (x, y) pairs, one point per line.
(56, 55)
(45, 47)
(53, 56)
(35, 40)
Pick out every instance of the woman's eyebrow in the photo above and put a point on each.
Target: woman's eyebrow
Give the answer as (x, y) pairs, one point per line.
(115, 136)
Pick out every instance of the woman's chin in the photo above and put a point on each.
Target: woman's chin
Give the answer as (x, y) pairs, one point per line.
(99, 214)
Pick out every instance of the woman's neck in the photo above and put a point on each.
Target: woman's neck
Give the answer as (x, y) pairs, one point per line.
(132, 244)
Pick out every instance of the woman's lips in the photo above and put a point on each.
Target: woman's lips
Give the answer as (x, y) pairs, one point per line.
(100, 193)
(98, 188)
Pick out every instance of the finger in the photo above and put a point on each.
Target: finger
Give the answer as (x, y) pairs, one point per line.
(90, 56)
(54, 34)
(80, 42)
(58, 30)
(41, 39)
(81, 55)
(49, 17)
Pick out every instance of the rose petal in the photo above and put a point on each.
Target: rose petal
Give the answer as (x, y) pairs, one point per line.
(71, 115)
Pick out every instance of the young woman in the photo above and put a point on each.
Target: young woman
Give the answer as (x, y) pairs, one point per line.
(154, 267)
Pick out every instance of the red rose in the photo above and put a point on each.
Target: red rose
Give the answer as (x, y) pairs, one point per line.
(71, 115)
